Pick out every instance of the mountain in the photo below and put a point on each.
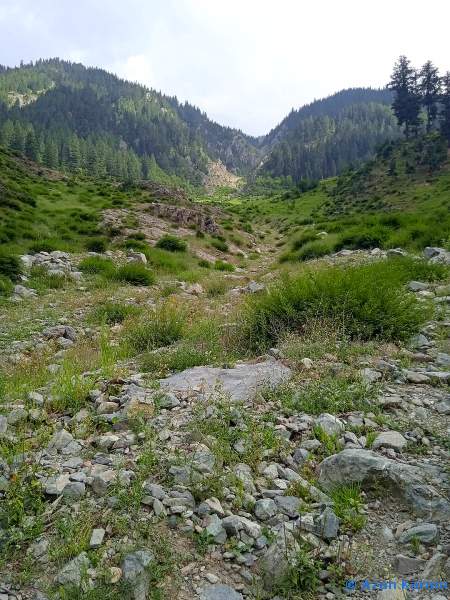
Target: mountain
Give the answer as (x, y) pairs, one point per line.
(325, 137)
(81, 119)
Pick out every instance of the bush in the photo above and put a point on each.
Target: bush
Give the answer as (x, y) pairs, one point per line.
(43, 246)
(6, 286)
(166, 262)
(94, 265)
(135, 274)
(315, 249)
(204, 263)
(368, 300)
(171, 243)
(10, 266)
(161, 328)
(220, 245)
(220, 265)
(96, 245)
(309, 235)
(113, 312)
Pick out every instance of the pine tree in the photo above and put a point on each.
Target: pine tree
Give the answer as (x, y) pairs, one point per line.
(7, 133)
(406, 105)
(18, 139)
(74, 154)
(31, 146)
(429, 86)
(51, 157)
(445, 113)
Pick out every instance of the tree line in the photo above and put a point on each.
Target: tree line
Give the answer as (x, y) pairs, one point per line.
(421, 98)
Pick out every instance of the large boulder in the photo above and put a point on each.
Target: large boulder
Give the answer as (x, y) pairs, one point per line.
(240, 383)
(369, 469)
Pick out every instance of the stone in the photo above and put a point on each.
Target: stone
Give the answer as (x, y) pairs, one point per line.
(102, 480)
(36, 397)
(244, 473)
(370, 375)
(392, 594)
(265, 509)
(330, 424)
(74, 572)
(389, 439)
(405, 565)
(416, 377)
(426, 533)
(60, 440)
(274, 563)
(300, 456)
(443, 359)
(154, 490)
(135, 564)
(288, 505)
(16, 415)
(307, 363)
(233, 524)
(417, 286)
(97, 536)
(168, 400)
(327, 524)
(215, 529)
(434, 567)
(240, 382)
(219, 592)
(3, 424)
(366, 467)
(74, 490)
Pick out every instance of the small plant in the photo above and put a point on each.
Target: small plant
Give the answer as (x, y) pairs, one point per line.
(6, 286)
(301, 574)
(112, 313)
(96, 245)
(161, 328)
(220, 265)
(220, 245)
(348, 506)
(10, 266)
(134, 274)
(96, 265)
(204, 263)
(172, 244)
(330, 443)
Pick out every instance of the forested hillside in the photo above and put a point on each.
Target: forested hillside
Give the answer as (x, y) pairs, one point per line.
(85, 120)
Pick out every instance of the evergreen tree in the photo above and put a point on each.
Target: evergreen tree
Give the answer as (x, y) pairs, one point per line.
(51, 155)
(31, 146)
(18, 139)
(7, 133)
(74, 154)
(429, 86)
(406, 105)
(445, 113)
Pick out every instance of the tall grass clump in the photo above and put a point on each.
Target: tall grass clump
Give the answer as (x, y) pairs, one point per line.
(171, 243)
(134, 274)
(369, 301)
(10, 266)
(96, 265)
(162, 327)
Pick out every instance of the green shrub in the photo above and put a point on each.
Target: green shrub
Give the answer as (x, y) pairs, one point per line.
(160, 328)
(363, 238)
(94, 265)
(220, 245)
(315, 249)
(204, 263)
(6, 286)
(43, 246)
(309, 235)
(171, 243)
(166, 262)
(220, 265)
(10, 266)
(368, 300)
(135, 274)
(96, 245)
(113, 312)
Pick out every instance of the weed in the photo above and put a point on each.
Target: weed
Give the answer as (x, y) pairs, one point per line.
(348, 506)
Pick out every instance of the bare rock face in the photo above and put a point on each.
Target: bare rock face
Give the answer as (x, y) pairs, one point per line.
(240, 382)
(368, 468)
(185, 216)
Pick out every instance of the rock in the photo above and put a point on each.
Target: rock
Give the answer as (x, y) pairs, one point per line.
(392, 594)
(137, 257)
(330, 424)
(234, 524)
(102, 480)
(154, 490)
(370, 375)
(443, 408)
(404, 565)
(74, 490)
(75, 571)
(389, 439)
(168, 400)
(16, 415)
(215, 529)
(58, 331)
(36, 398)
(240, 383)
(278, 557)
(307, 363)
(60, 440)
(288, 505)
(20, 292)
(135, 571)
(244, 473)
(417, 286)
(434, 567)
(300, 456)
(366, 467)
(219, 592)
(443, 359)
(415, 377)
(265, 509)
(3, 424)
(202, 459)
(97, 538)
(426, 533)
(327, 524)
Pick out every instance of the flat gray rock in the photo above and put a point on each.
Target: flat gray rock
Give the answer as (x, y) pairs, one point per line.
(219, 592)
(240, 383)
(390, 439)
(366, 468)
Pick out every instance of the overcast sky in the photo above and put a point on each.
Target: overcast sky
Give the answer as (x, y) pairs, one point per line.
(245, 62)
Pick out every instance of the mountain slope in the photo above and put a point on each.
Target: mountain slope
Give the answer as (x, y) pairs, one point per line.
(80, 119)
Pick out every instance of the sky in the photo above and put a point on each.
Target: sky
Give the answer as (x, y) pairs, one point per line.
(245, 62)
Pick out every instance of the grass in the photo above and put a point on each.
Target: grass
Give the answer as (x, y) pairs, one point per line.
(348, 505)
(331, 393)
(10, 266)
(97, 265)
(221, 265)
(134, 274)
(111, 313)
(162, 327)
(171, 243)
(368, 300)
(300, 578)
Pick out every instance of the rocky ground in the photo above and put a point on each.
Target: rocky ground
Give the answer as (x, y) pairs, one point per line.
(206, 483)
